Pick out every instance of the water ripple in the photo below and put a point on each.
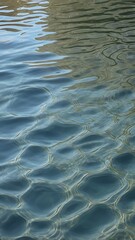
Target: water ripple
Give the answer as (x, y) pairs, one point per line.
(67, 132)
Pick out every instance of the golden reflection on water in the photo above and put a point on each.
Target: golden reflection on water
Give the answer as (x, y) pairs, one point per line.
(90, 36)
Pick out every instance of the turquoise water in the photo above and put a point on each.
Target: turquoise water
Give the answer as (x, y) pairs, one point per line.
(67, 112)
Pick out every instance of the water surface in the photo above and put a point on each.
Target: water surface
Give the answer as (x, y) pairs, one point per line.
(67, 112)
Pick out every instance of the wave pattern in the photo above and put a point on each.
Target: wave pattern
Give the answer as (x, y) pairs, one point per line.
(67, 157)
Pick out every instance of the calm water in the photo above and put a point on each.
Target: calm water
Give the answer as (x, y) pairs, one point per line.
(67, 114)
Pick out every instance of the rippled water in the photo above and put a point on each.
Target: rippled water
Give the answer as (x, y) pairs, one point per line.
(67, 112)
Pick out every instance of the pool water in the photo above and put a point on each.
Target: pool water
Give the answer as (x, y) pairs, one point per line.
(67, 112)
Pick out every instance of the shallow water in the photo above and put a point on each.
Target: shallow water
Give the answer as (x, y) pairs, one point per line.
(67, 112)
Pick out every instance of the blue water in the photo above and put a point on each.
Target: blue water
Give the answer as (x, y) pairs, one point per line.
(67, 112)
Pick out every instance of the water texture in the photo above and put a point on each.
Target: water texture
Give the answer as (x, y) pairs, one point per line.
(67, 112)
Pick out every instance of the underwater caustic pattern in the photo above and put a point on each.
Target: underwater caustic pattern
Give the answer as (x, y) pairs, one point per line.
(67, 113)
